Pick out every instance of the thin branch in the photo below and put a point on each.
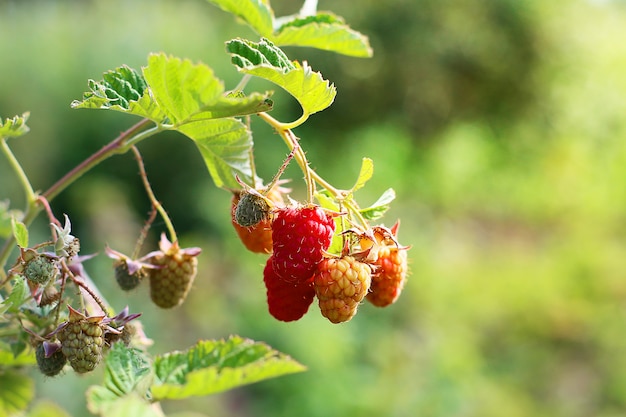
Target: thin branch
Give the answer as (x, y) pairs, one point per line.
(151, 196)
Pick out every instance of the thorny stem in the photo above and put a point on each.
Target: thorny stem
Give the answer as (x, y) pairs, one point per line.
(118, 145)
(51, 217)
(81, 285)
(310, 176)
(251, 156)
(282, 168)
(155, 203)
(19, 171)
(294, 145)
(144, 232)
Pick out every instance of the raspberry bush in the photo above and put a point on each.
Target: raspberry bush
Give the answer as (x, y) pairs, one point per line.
(326, 246)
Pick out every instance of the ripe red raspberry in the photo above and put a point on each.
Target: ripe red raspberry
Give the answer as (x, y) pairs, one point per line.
(340, 285)
(287, 301)
(177, 268)
(300, 235)
(390, 276)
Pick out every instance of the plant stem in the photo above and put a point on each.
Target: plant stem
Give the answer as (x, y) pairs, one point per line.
(155, 203)
(295, 123)
(117, 145)
(242, 83)
(294, 144)
(310, 175)
(144, 232)
(19, 171)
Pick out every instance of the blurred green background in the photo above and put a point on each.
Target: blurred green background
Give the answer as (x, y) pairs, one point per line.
(501, 126)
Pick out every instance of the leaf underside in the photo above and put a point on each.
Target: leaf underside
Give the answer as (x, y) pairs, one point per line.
(265, 60)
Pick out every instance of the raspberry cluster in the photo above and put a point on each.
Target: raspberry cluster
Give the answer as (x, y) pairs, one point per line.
(82, 341)
(299, 268)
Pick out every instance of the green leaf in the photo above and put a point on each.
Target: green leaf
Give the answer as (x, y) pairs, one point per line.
(20, 232)
(188, 92)
(265, 60)
(323, 31)
(376, 210)
(256, 13)
(15, 126)
(9, 359)
(16, 392)
(234, 106)
(126, 369)
(129, 405)
(180, 87)
(122, 89)
(127, 373)
(365, 174)
(312, 91)
(225, 145)
(18, 347)
(6, 219)
(214, 366)
(18, 295)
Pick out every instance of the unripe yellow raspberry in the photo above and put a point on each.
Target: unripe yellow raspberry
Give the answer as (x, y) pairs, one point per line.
(340, 285)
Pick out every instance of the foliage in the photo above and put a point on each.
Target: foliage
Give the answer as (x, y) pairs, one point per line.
(502, 125)
(173, 94)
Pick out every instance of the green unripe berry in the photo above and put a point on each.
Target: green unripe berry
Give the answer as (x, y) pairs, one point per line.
(126, 280)
(40, 269)
(51, 365)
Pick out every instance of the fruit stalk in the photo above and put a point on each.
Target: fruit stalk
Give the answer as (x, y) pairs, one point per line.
(19, 171)
(310, 176)
(117, 145)
(155, 203)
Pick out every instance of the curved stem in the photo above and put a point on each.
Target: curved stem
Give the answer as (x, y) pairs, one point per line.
(295, 123)
(84, 287)
(144, 232)
(310, 174)
(242, 83)
(19, 171)
(294, 144)
(155, 203)
(291, 140)
(117, 145)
